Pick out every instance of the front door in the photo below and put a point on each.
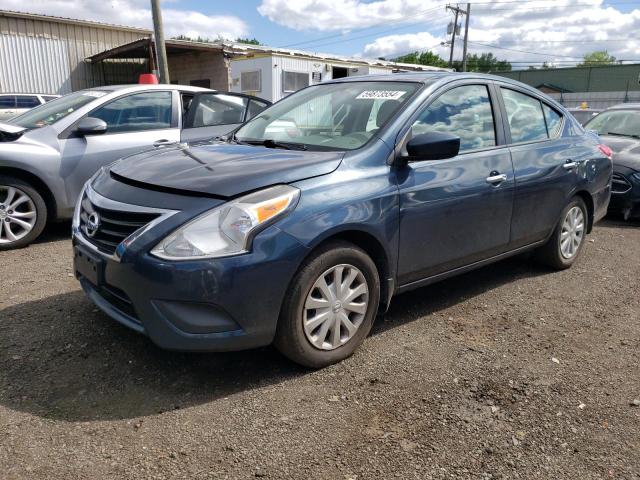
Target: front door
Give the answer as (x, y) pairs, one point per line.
(135, 122)
(457, 211)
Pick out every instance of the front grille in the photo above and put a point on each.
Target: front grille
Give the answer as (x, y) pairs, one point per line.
(620, 184)
(113, 226)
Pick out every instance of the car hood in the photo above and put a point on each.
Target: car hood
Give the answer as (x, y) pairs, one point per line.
(626, 150)
(222, 169)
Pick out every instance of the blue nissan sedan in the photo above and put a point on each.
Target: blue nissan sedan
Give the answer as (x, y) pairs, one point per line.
(301, 226)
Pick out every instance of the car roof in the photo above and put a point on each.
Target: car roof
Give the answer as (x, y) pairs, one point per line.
(29, 93)
(625, 106)
(164, 86)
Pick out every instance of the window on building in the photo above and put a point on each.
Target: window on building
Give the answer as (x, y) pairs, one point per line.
(463, 111)
(525, 115)
(140, 111)
(250, 81)
(204, 83)
(294, 81)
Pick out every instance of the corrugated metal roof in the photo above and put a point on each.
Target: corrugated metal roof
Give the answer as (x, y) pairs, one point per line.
(73, 21)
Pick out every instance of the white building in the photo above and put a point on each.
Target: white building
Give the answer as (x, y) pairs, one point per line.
(273, 73)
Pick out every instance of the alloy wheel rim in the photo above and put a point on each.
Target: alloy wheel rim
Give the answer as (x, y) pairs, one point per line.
(572, 233)
(17, 214)
(335, 307)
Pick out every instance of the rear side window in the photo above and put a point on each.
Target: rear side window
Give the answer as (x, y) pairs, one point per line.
(553, 119)
(27, 101)
(137, 112)
(218, 109)
(8, 101)
(525, 115)
(255, 108)
(463, 111)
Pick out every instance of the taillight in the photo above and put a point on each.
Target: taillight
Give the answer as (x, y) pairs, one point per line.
(607, 152)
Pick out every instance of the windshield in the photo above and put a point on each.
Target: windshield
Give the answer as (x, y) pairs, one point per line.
(616, 122)
(50, 112)
(333, 116)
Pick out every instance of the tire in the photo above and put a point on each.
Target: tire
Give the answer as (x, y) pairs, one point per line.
(305, 345)
(30, 211)
(552, 253)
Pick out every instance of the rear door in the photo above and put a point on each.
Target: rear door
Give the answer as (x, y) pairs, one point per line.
(456, 211)
(135, 122)
(213, 114)
(545, 163)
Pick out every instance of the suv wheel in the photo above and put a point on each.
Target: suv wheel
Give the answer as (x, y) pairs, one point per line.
(23, 213)
(331, 306)
(567, 240)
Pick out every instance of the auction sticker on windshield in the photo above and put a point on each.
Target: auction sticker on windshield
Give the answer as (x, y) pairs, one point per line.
(386, 94)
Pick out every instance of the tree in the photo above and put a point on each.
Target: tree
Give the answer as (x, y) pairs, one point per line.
(422, 58)
(250, 41)
(484, 62)
(600, 57)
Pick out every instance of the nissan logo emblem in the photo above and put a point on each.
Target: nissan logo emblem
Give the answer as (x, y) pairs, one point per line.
(93, 223)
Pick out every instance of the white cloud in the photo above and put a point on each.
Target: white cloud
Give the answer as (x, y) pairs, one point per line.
(335, 15)
(136, 13)
(563, 29)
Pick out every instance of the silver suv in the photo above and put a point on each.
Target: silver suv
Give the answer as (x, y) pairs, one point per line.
(49, 152)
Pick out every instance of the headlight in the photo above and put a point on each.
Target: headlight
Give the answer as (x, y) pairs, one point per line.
(228, 229)
(636, 176)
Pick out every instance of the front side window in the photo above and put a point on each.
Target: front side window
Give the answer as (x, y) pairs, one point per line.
(218, 109)
(331, 116)
(50, 112)
(137, 112)
(27, 101)
(255, 108)
(463, 111)
(525, 116)
(616, 122)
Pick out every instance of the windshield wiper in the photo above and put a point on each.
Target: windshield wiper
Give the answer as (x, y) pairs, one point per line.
(616, 134)
(270, 143)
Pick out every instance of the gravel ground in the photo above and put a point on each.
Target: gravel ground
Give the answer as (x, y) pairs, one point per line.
(511, 371)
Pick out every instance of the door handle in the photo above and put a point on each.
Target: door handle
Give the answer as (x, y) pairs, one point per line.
(159, 143)
(496, 178)
(569, 165)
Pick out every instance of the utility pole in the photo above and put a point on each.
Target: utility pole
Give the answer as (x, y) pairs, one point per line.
(161, 51)
(466, 38)
(455, 31)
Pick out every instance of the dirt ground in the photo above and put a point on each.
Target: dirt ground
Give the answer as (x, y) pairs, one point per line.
(512, 371)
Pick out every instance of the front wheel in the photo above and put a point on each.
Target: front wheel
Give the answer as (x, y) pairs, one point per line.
(566, 243)
(330, 307)
(23, 213)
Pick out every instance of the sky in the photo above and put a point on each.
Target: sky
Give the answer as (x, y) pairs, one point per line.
(522, 31)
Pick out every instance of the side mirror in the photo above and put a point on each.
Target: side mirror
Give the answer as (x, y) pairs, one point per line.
(433, 146)
(91, 126)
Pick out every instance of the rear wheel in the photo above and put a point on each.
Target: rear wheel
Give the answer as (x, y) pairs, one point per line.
(330, 307)
(566, 243)
(23, 213)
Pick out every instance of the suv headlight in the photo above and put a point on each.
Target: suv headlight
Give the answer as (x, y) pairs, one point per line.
(228, 229)
(636, 176)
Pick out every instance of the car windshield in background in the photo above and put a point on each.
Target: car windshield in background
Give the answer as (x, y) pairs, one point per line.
(333, 116)
(616, 122)
(50, 112)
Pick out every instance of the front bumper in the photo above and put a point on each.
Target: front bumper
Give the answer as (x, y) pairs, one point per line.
(625, 194)
(222, 304)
